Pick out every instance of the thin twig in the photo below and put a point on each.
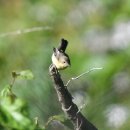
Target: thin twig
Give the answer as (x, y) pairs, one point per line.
(14, 76)
(74, 78)
(23, 31)
(81, 107)
(12, 82)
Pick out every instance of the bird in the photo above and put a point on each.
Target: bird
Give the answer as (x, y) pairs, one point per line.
(60, 59)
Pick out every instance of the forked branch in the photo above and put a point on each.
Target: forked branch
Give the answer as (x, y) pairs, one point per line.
(71, 109)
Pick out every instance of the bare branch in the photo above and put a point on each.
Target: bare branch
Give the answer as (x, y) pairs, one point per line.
(77, 77)
(67, 104)
(23, 31)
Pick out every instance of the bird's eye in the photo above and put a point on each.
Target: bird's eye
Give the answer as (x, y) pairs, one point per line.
(64, 61)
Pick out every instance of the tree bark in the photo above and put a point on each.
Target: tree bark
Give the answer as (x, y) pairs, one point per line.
(65, 98)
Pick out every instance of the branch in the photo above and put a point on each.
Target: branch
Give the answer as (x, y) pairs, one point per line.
(74, 78)
(65, 98)
(23, 31)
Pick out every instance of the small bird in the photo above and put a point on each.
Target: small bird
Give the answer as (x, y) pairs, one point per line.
(59, 58)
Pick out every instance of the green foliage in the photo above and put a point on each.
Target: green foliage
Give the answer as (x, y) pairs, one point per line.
(14, 112)
(98, 35)
(59, 118)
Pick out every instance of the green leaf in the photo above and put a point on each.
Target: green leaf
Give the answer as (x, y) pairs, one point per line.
(60, 118)
(26, 74)
(6, 91)
(14, 115)
(7, 94)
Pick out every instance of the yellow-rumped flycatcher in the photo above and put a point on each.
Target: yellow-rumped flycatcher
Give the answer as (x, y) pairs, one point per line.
(59, 58)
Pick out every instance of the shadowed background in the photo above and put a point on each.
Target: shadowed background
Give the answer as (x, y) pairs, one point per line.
(98, 34)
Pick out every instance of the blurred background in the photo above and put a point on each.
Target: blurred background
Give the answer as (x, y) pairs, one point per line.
(98, 32)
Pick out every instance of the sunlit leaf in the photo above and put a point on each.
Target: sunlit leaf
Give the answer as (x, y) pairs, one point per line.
(26, 74)
(15, 115)
(6, 91)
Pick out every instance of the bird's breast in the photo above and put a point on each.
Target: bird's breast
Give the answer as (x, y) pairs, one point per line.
(57, 63)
